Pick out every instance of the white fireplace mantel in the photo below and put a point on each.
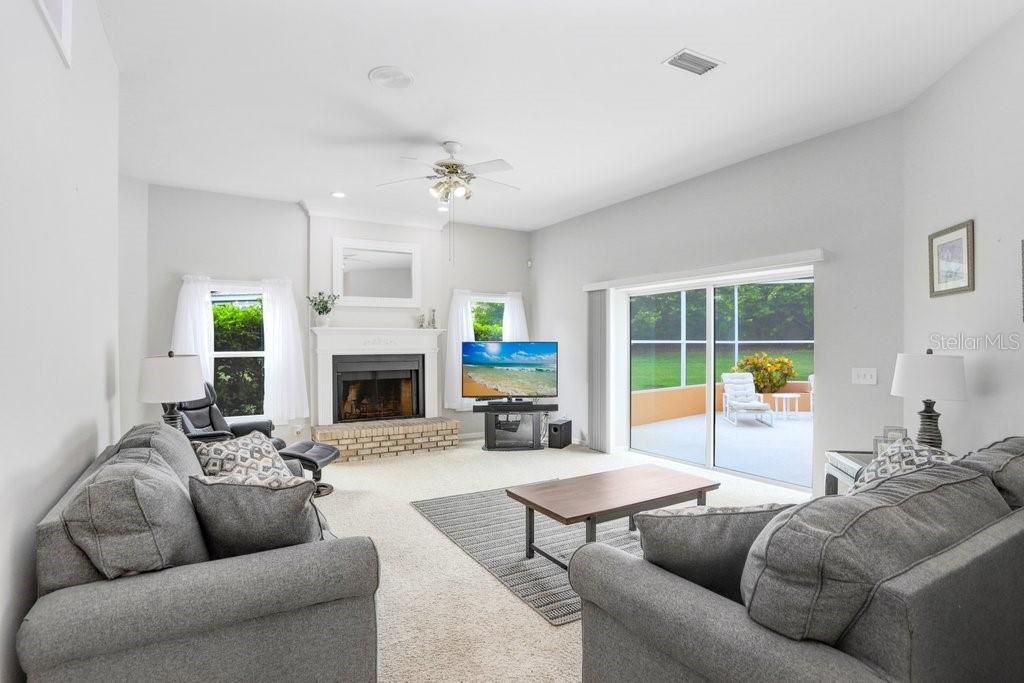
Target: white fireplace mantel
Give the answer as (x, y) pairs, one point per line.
(371, 341)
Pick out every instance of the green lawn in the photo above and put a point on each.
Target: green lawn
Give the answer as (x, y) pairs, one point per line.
(658, 367)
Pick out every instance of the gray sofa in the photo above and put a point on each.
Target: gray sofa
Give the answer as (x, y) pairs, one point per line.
(305, 612)
(954, 615)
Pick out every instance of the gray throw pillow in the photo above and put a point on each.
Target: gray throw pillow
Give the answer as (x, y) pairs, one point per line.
(705, 545)
(901, 457)
(1003, 463)
(134, 515)
(241, 515)
(814, 567)
(252, 455)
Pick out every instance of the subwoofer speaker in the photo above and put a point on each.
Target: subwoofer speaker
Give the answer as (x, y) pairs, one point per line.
(559, 433)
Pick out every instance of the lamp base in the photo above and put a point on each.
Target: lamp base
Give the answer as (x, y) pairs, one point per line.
(171, 416)
(929, 434)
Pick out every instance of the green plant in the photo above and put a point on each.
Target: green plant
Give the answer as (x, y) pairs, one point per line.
(322, 303)
(487, 317)
(770, 374)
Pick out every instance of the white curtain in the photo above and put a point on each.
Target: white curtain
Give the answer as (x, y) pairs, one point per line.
(193, 322)
(284, 388)
(513, 321)
(460, 329)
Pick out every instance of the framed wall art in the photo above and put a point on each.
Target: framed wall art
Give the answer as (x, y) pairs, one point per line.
(951, 260)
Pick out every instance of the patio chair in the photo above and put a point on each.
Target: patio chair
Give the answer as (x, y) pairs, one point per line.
(810, 382)
(740, 397)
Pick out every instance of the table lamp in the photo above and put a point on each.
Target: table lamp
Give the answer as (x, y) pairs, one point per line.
(929, 377)
(169, 380)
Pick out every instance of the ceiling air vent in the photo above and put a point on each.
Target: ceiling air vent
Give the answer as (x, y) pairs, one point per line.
(688, 60)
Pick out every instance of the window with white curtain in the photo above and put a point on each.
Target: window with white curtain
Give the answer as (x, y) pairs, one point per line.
(238, 350)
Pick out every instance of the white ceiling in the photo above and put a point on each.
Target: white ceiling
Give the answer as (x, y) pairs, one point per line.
(270, 99)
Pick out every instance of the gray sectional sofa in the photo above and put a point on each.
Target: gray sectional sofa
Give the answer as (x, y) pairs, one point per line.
(917, 577)
(305, 612)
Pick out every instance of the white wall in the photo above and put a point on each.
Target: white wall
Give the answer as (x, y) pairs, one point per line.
(486, 260)
(133, 291)
(964, 146)
(841, 192)
(225, 237)
(58, 279)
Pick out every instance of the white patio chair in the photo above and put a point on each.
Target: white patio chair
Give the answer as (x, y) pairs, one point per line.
(810, 381)
(740, 397)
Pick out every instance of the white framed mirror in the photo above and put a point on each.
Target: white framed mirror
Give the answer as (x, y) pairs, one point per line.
(372, 273)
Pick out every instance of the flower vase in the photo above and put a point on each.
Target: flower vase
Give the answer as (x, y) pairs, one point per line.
(323, 320)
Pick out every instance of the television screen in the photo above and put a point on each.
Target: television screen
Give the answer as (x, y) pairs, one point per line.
(509, 369)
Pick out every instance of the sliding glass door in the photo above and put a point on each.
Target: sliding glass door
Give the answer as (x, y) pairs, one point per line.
(668, 374)
(750, 408)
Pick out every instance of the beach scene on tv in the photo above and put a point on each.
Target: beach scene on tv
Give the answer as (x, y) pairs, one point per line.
(500, 369)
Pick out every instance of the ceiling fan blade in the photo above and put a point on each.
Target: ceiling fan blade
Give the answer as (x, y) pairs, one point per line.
(417, 161)
(492, 166)
(405, 180)
(497, 182)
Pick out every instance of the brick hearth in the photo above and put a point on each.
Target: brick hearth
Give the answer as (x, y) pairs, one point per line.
(383, 438)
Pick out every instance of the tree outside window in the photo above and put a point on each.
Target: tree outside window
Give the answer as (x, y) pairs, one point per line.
(238, 353)
(487, 320)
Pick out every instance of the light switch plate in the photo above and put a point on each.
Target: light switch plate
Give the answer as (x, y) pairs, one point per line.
(865, 376)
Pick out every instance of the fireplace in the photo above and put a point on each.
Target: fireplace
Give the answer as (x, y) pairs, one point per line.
(378, 387)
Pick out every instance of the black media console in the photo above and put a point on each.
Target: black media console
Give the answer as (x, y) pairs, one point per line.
(514, 425)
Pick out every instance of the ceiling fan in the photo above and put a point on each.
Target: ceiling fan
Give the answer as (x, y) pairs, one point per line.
(453, 177)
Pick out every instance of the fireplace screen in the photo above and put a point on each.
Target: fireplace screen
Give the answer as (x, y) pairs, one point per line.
(377, 387)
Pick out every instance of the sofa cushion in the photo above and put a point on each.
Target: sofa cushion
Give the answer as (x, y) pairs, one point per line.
(241, 515)
(814, 566)
(134, 515)
(901, 457)
(170, 443)
(705, 545)
(1003, 462)
(252, 455)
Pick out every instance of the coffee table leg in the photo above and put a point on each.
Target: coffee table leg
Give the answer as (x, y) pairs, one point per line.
(591, 530)
(702, 498)
(632, 523)
(529, 533)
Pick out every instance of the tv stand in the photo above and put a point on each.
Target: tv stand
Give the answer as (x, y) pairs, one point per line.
(507, 417)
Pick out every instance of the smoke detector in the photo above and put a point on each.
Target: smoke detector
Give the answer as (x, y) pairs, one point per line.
(688, 60)
(390, 77)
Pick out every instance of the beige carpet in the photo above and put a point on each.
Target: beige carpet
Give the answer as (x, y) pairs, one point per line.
(443, 617)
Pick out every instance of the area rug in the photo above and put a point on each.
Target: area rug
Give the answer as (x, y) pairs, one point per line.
(490, 527)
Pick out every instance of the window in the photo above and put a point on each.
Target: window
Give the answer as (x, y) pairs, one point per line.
(487, 317)
(238, 352)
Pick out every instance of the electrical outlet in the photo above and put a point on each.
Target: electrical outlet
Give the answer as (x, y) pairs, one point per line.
(865, 376)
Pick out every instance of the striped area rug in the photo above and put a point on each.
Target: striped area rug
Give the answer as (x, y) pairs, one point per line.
(491, 528)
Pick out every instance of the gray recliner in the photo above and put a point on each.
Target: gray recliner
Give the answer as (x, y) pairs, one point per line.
(202, 420)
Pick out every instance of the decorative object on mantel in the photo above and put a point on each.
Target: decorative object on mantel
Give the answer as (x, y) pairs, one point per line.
(929, 376)
(322, 305)
(432, 322)
(169, 380)
(421, 322)
(888, 436)
(951, 260)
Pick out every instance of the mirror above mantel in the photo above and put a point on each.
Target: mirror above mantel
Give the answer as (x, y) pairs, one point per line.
(370, 273)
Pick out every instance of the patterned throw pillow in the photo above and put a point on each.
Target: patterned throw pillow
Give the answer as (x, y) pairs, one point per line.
(903, 456)
(250, 456)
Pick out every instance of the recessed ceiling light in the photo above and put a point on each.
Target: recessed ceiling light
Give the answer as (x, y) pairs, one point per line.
(338, 195)
(390, 77)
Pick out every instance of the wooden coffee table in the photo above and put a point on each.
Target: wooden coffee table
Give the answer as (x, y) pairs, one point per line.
(596, 498)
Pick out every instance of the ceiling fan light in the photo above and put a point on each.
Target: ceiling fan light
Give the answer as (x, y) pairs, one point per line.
(460, 190)
(437, 189)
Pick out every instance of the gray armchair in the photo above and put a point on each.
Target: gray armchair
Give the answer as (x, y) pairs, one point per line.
(202, 420)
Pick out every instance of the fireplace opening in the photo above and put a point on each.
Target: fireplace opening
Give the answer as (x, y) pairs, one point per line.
(378, 387)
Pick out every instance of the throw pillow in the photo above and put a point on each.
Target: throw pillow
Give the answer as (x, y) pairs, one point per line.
(252, 455)
(901, 457)
(135, 516)
(705, 545)
(814, 567)
(245, 514)
(1003, 462)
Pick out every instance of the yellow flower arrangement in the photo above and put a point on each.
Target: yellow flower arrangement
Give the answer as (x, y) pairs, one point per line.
(770, 374)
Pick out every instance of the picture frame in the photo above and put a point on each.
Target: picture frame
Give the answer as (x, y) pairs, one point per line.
(894, 433)
(951, 260)
(57, 15)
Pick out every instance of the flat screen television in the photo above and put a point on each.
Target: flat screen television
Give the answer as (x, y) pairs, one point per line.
(509, 369)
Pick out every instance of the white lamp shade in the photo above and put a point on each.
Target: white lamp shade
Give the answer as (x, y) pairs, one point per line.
(171, 379)
(927, 375)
